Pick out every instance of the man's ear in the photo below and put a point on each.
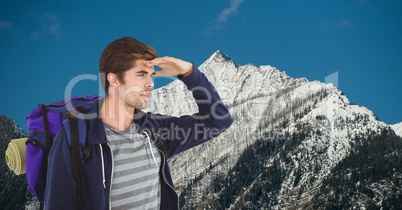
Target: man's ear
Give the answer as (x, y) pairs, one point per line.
(112, 79)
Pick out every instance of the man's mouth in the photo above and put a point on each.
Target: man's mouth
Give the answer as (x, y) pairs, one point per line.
(145, 96)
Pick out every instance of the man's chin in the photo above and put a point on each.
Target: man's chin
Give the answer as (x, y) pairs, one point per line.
(143, 106)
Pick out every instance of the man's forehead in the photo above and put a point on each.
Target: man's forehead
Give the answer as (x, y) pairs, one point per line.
(140, 62)
(141, 65)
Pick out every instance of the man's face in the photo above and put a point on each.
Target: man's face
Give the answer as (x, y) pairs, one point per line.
(135, 89)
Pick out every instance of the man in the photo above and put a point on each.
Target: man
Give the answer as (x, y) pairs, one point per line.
(127, 168)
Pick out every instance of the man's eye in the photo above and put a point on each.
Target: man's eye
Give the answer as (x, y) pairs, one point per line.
(140, 75)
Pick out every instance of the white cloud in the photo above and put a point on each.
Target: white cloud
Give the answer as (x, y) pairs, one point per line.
(5, 24)
(345, 23)
(223, 16)
(50, 24)
(34, 36)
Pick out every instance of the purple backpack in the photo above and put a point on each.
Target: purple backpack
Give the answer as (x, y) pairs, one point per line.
(43, 123)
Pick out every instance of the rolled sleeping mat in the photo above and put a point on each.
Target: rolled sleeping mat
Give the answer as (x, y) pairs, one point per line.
(15, 155)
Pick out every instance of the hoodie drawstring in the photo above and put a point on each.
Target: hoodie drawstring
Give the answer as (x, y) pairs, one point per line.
(103, 167)
(150, 146)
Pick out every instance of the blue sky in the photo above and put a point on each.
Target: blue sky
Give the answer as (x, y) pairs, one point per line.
(46, 44)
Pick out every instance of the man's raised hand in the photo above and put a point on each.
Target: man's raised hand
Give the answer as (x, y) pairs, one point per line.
(171, 66)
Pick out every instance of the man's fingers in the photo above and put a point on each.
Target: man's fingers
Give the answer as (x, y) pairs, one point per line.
(164, 60)
(148, 63)
(158, 61)
(170, 66)
(162, 63)
(160, 73)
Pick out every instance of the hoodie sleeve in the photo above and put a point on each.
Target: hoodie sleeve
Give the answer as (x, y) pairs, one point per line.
(60, 190)
(212, 119)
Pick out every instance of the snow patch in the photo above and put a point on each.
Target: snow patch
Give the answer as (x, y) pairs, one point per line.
(397, 128)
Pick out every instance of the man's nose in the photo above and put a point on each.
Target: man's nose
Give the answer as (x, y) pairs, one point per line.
(150, 83)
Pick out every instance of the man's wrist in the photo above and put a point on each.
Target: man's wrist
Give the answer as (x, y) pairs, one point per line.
(189, 72)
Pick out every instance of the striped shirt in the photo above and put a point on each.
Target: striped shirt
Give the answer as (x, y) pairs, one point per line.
(135, 182)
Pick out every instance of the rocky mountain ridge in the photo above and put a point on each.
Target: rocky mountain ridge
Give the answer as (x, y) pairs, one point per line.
(314, 126)
(294, 144)
(13, 188)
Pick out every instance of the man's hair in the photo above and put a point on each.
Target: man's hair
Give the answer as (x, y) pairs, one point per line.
(120, 56)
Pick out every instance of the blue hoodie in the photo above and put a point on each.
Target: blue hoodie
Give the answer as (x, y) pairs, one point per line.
(177, 133)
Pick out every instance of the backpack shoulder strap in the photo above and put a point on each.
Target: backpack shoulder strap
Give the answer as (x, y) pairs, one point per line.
(76, 134)
(48, 136)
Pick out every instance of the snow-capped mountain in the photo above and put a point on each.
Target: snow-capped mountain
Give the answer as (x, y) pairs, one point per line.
(312, 125)
(397, 128)
(294, 144)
